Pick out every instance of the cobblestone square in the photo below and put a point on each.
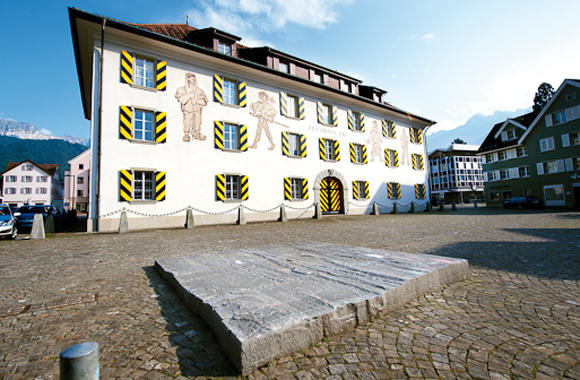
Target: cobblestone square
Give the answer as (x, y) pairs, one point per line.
(516, 316)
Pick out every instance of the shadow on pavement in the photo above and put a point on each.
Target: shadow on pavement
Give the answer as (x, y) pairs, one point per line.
(198, 351)
(556, 258)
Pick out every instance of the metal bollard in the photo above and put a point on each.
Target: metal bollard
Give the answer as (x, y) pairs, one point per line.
(80, 362)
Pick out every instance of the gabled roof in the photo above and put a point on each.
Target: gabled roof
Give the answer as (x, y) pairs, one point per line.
(47, 168)
(566, 82)
(493, 140)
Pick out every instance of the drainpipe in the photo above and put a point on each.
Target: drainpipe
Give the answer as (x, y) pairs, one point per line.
(427, 164)
(99, 129)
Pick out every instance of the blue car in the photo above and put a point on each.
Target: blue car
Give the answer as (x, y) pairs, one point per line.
(7, 223)
(25, 214)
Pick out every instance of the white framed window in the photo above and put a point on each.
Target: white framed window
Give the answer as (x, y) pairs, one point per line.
(283, 66)
(559, 117)
(489, 158)
(554, 195)
(230, 92)
(41, 178)
(143, 185)
(10, 190)
(329, 152)
(504, 174)
(231, 136)
(392, 157)
(224, 48)
(41, 190)
(27, 168)
(292, 106)
(521, 151)
(511, 134)
(294, 144)
(492, 176)
(232, 186)
(502, 155)
(570, 139)
(144, 72)
(317, 77)
(26, 178)
(11, 178)
(358, 153)
(326, 114)
(79, 193)
(356, 119)
(547, 144)
(80, 180)
(297, 188)
(524, 171)
(25, 190)
(143, 128)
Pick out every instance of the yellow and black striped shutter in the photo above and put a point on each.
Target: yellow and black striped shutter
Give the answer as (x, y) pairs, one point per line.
(352, 153)
(218, 88)
(421, 161)
(397, 190)
(414, 161)
(393, 129)
(303, 148)
(387, 158)
(161, 75)
(336, 150)
(243, 137)
(365, 159)
(126, 67)
(396, 163)
(419, 136)
(384, 124)
(285, 146)
(160, 127)
(125, 185)
(350, 120)
(283, 104)
(335, 116)
(160, 186)
(220, 187)
(319, 112)
(242, 97)
(304, 188)
(420, 191)
(287, 188)
(412, 134)
(218, 130)
(245, 188)
(322, 149)
(125, 123)
(301, 108)
(354, 190)
(362, 122)
(366, 192)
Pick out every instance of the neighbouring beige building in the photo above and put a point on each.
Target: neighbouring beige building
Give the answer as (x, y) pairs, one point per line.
(76, 183)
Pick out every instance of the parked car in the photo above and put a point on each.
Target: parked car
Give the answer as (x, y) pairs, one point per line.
(7, 222)
(25, 214)
(523, 202)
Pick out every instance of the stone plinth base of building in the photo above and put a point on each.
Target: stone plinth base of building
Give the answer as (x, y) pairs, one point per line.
(267, 302)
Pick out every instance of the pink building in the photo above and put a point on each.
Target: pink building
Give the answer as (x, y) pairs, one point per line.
(29, 183)
(76, 183)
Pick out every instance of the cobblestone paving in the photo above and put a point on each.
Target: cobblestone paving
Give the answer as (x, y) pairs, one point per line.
(518, 315)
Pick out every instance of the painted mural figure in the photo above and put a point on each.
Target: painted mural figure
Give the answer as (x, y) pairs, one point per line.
(404, 147)
(192, 99)
(265, 113)
(375, 142)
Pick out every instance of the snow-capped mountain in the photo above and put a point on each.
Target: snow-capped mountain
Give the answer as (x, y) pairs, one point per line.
(23, 130)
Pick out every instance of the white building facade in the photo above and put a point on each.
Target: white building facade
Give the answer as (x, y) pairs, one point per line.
(181, 126)
(76, 183)
(28, 183)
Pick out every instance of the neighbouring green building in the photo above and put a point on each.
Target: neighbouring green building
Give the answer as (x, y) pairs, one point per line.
(537, 153)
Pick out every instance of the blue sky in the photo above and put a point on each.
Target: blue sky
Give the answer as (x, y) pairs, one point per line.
(445, 60)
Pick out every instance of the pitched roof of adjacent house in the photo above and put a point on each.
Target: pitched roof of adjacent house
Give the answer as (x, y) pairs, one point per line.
(47, 168)
(493, 141)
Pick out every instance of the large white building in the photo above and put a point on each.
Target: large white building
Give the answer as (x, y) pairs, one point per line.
(76, 183)
(190, 117)
(29, 183)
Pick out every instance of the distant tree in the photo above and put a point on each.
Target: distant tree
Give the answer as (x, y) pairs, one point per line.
(459, 141)
(543, 95)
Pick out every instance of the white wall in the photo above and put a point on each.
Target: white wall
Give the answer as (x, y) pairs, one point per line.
(34, 197)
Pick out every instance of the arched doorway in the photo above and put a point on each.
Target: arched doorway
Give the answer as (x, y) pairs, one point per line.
(331, 196)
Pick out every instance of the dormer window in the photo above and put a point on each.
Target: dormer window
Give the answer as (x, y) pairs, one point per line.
(317, 78)
(283, 66)
(224, 48)
(508, 134)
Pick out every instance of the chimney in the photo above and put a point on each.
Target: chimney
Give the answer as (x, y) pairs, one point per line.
(187, 19)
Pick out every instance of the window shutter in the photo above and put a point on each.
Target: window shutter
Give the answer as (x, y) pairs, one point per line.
(540, 168)
(495, 157)
(303, 147)
(362, 122)
(322, 149)
(336, 150)
(421, 162)
(514, 173)
(390, 190)
(511, 153)
(548, 120)
(243, 137)
(335, 116)
(245, 188)
(577, 112)
(218, 88)
(219, 134)
(242, 99)
(366, 194)
(419, 136)
(283, 104)
(393, 128)
(551, 143)
(396, 163)
(412, 134)
(287, 189)
(304, 188)
(483, 159)
(365, 160)
(220, 187)
(160, 186)
(504, 136)
(349, 118)
(384, 125)
(125, 185)
(568, 164)
(301, 108)
(354, 190)
(414, 161)
(160, 75)
(387, 157)
(484, 177)
(352, 153)
(126, 67)
(319, 112)
(565, 140)
(559, 166)
(125, 123)
(285, 146)
(569, 114)
(160, 127)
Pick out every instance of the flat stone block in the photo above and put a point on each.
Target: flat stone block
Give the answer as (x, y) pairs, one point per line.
(272, 301)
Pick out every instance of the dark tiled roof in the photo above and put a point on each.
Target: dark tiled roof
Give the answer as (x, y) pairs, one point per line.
(48, 168)
(491, 143)
(177, 31)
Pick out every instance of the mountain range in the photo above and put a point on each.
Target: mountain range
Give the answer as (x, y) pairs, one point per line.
(473, 131)
(23, 130)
